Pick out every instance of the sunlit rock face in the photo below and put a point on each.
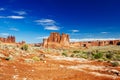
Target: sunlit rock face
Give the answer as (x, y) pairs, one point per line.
(55, 40)
(54, 37)
(65, 40)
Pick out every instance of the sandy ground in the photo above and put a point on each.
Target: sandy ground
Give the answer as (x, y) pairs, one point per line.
(57, 68)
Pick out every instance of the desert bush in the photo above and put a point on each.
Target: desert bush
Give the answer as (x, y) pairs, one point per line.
(98, 55)
(35, 58)
(76, 51)
(117, 57)
(72, 55)
(8, 58)
(64, 54)
(115, 64)
(109, 55)
(24, 47)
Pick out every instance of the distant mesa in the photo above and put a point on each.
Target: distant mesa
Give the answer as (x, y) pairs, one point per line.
(9, 39)
(55, 40)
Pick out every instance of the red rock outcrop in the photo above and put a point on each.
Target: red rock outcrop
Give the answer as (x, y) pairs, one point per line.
(65, 40)
(94, 43)
(9, 39)
(55, 40)
(54, 37)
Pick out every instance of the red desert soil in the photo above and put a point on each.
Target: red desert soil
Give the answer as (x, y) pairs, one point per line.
(56, 68)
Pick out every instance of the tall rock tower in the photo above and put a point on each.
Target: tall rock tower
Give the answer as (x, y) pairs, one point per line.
(65, 40)
(55, 40)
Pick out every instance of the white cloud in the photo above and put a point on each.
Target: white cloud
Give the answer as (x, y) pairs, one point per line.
(14, 29)
(2, 9)
(104, 32)
(44, 22)
(20, 12)
(13, 17)
(41, 37)
(51, 28)
(48, 24)
(4, 34)
(75, 31)
(91, 39)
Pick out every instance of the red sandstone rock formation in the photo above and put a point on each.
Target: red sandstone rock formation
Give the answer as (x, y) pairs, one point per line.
(65, 40)
(54, 37)
(55, 40)
(9, 39)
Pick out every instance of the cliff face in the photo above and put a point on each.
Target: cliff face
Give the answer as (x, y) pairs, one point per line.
(9, 39)
(55, 40)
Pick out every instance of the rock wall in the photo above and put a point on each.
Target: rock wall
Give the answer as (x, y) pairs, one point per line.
(94, 43)
(9, 39)
(55, 40)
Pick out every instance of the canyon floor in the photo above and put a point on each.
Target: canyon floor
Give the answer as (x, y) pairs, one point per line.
(25, 66)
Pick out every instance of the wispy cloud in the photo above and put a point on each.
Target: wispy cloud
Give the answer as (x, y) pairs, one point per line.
(41, 37)
(13, 17)
(75, 31)
(48, 24)
(20, 12)
(4, 34)
(51, 28)
(45, 21)
(2, 9)
(14, 29)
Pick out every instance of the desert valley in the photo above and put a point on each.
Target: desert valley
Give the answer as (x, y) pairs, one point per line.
(58, 59)
(59, 39)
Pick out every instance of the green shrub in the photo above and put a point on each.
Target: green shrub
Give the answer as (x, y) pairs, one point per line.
(117, 57)
(109, 55)
(35, 58)
(115, 64)
(98, 55)
(24, 47)
(64, 54)
(76, 51)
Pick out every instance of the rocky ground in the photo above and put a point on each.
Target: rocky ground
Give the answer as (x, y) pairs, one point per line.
(37, 64)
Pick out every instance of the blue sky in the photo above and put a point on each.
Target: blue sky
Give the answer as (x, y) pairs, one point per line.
(33, 20)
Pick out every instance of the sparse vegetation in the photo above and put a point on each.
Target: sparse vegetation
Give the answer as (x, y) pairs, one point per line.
(7, 58)
(24, 47)
(115, 64)
(98, 55)
(64, 54)
(109, 55)
(35, 58)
